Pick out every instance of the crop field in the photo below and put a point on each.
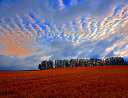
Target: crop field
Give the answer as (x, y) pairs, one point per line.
(76, 82)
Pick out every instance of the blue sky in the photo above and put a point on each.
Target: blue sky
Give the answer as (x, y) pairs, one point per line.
(61, 29)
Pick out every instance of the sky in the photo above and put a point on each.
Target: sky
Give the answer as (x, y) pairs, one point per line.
(37, 30)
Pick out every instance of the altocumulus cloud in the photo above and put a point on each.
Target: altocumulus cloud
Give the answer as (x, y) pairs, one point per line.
(62, 49)
(44, 9)
(116, 43)
(110, 41)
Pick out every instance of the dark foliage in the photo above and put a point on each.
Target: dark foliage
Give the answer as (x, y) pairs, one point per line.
(82, 63)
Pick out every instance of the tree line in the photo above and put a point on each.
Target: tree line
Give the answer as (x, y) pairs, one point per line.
(82, 63)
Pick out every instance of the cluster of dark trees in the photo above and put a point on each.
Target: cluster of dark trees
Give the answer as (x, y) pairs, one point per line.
(82, 63)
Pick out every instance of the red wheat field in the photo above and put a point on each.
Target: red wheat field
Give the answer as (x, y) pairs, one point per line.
(80, 82)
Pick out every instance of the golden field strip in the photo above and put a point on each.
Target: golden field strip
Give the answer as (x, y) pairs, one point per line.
(76, 82)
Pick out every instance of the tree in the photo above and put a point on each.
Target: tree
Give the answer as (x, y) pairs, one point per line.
(82, 62)
(43, 65)
(40, 67)
(67, 64)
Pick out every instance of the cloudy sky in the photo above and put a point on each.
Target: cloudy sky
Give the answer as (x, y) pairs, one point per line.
(36, 30)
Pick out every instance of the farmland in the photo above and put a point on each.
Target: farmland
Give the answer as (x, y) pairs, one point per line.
(99, 81)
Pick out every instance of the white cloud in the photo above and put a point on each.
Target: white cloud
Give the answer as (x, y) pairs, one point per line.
(13, 62)
(43, 9)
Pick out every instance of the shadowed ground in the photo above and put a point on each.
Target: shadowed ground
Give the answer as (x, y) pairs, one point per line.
(100, 81)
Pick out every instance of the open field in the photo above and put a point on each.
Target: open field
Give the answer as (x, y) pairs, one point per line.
(83, 82)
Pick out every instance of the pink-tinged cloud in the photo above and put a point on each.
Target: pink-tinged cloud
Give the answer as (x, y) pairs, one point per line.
(76, 30)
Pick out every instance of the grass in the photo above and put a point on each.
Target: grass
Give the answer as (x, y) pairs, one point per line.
(82, 82)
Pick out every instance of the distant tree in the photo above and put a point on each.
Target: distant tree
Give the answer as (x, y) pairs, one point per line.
(40, 67)
(82, 62)
(49, 64)
(43, 65)
(67, 64)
